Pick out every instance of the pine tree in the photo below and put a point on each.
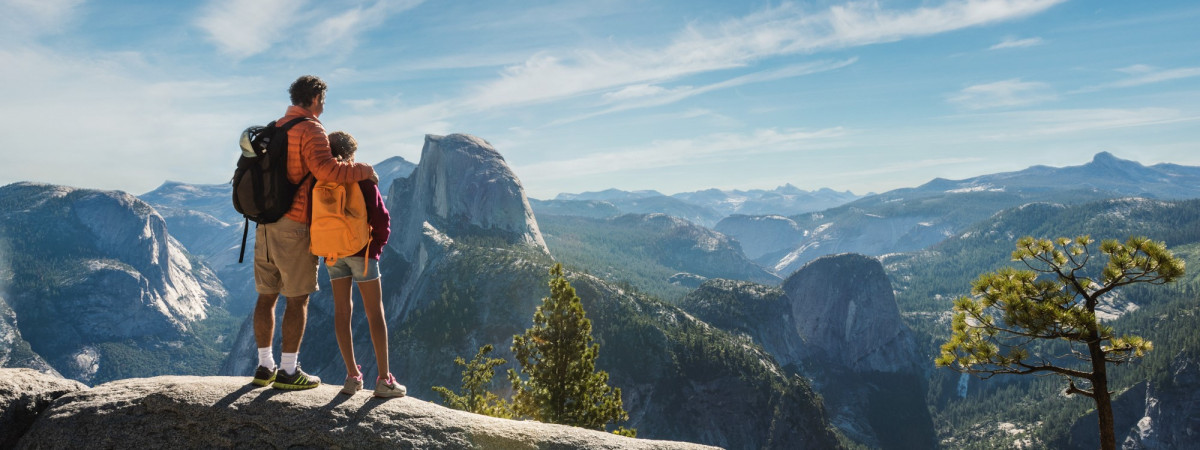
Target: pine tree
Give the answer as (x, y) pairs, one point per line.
(1015, 313)
(475, 397)
(559, 359)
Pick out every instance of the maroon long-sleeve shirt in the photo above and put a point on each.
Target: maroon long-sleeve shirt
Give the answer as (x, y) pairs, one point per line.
(378, 217)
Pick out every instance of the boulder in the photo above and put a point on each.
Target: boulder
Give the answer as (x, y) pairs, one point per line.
(25, 393)
(227, 412)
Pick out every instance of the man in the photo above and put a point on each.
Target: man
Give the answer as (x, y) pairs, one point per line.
(283, 264)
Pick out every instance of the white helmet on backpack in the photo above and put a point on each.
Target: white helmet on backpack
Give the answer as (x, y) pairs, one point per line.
(246, 141)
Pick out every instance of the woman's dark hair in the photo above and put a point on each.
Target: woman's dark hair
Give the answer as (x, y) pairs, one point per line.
(342, 145)
(305, 88)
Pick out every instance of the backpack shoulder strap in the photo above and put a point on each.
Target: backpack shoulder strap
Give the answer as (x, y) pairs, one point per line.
(292, 123)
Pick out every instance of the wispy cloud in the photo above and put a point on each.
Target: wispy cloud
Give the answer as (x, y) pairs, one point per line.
(243, 29)
(1000, 94)
(683, 152)
(24, 19)
(1141, 74)
(1017, 43)
(1028, 124)
(645, 96)
(784, 30)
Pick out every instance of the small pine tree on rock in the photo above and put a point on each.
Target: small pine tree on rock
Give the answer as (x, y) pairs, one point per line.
(475, 397)
(558, 359)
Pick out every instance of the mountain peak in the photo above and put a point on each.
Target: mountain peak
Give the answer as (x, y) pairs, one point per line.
(1105, 157)
(461, 186)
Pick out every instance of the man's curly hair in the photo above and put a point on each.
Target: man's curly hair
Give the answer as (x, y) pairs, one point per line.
(305, 88)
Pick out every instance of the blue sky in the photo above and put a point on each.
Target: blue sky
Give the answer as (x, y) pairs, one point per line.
(674, 96)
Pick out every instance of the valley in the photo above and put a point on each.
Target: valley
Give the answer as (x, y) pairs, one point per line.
(725, 317)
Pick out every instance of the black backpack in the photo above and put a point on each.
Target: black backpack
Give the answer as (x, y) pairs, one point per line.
(261, 189)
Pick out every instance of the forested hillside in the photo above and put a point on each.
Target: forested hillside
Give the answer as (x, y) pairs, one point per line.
(927, 282)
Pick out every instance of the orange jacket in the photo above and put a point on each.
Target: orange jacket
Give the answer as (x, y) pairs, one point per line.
(308, 151)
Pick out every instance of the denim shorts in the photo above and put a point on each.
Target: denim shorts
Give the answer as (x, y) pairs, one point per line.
(352, 266)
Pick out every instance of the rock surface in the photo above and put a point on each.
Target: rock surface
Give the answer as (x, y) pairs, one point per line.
(25, 393)
(226, 412)
(844, 307)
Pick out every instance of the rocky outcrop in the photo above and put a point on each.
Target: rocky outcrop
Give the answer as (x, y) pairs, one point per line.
(24, 394)
(227, 412)
(843, 305)
(461, 186)
(202, 218)
(96, 266)
(836, 322)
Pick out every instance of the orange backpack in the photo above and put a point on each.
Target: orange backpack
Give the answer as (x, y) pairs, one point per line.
(339, 222)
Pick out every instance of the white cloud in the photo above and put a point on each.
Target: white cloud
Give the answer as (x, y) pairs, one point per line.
(1007, 93)
(1073, 121)
(24, 19)
(637, 91)
(1136, 69)
(1141, 74)
(100, 122)
(305, 29)
(242, 29)
(783, 30)
(1017, 43)
(658, 97)
(338, 33)
(682, 152)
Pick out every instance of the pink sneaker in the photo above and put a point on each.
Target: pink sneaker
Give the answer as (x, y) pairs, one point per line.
(388, 388)
(353, 384)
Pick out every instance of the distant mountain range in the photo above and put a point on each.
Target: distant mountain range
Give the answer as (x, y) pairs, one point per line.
(704, 208)
(911, 219)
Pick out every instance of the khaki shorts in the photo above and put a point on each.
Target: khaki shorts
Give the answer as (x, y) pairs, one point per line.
(282, 262)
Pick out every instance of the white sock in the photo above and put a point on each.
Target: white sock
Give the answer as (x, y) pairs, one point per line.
(287, 362)
(265, 358)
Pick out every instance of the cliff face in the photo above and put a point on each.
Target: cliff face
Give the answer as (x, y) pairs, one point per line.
(844, 307)
(836, 322)
(226, 412)
(95, 266)
(461, 185)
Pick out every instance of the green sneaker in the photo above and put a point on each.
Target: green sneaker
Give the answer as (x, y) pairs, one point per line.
(296, 381)
(263, 376)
